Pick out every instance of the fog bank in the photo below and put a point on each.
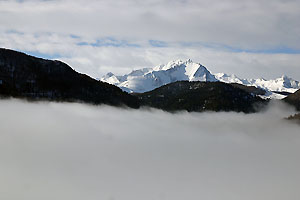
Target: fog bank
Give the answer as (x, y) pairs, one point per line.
(75, 151)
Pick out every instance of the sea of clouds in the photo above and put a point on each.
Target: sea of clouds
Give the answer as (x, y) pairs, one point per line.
(71, 151)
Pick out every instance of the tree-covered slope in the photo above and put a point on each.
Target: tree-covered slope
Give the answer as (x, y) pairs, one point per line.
(25, 76)
(294, 99)
(200, 96)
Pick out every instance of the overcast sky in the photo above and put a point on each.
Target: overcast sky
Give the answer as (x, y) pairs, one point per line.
(250, 38)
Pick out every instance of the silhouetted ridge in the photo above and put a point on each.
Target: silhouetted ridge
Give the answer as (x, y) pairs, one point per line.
(201, 96)
(26, 76)
(294, 99)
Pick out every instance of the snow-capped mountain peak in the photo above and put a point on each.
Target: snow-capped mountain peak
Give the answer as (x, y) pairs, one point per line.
(110, 78)
(282, 84)
(288, 82)
(147, 79)
(172, 64)
(229, 78)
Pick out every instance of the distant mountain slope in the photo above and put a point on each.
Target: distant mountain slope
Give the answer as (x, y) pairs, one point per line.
(30, 77)
(200, 96)
(277, 88)
(150, 78)
(294, 99)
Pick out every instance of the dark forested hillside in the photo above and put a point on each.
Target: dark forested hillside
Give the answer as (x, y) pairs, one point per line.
(34, 78)
(201, 96)
(294, 99)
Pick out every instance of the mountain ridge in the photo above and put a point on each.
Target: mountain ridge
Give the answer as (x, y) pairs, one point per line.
(198, 96)
(25, 76)
(294, 99)
(148, 79)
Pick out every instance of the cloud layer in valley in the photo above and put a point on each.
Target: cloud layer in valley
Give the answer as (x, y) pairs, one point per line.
(76, 151)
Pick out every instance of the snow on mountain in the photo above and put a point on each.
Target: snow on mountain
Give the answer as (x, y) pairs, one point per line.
(282, 84)
(230, 78)
(147, 79)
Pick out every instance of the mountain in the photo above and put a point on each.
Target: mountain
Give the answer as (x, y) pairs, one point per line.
(26, 76)
(200, 96)
(294, 99)
(147, 79)
(277, 88)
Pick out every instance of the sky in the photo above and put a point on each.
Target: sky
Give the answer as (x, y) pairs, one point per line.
(75, 151)
(249, 38)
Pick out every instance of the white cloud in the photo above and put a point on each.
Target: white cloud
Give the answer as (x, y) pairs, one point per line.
(75, 151)
(247, 24)
(45, 27)
(98, 60)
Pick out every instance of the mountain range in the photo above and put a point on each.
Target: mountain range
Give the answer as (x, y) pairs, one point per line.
(147, 79)
(178, 86)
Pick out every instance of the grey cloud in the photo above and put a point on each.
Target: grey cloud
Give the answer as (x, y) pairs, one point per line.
(242, 24)
(123, 60)
(75, 151)
(99, 60)
(46, 26)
